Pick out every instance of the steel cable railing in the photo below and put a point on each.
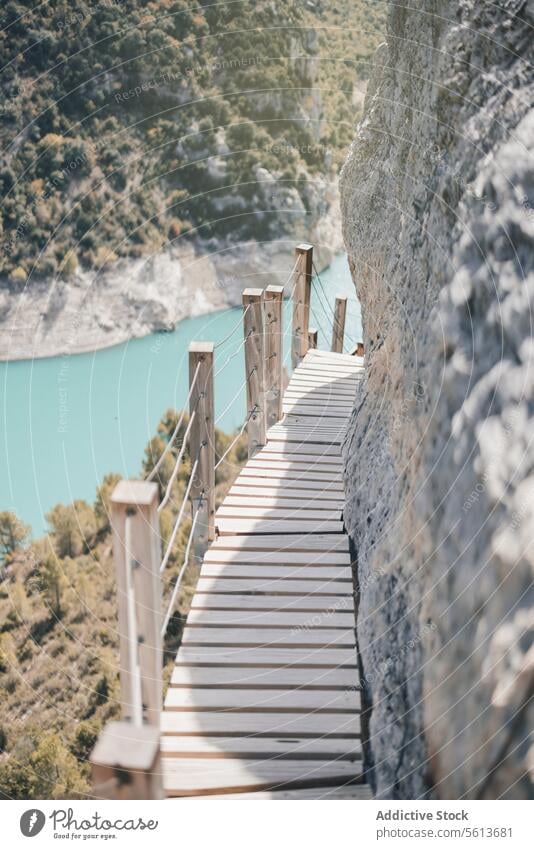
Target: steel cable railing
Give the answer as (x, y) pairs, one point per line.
(331, 309)
(181, 573)
(180, 517)
(178, 426)
(236, 438)
(179, 459)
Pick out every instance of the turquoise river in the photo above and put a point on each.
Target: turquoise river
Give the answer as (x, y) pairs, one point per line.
(69, 420)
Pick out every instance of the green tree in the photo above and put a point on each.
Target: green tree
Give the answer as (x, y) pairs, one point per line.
(13, 534)
(53, 583)
(73, 528)
(103, 501)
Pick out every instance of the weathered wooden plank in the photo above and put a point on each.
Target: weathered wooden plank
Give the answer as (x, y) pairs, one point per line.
(213, 723)
(304, 418)
(263, 701)
(189, 776)
(288, 558)
(321, 411)
(330, 748)
(236, 508)
(272, 587)
(347, 791)
(320, 399)
(270, 619)
(283, 543)
(271, 638)
(302, 457)
(262, 470)
(309, 482)
(271, 658)
(277, 526)
(316, 465)
(317, 496)
(275, 570)
(290, 449)
(258, 678)
(310, 604)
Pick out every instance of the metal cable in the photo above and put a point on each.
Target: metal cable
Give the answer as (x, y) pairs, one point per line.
(233, 442)
(182, 570)
(178, 461)
(330, 307)
(226, 338)
(231, 404)
(180, 517)
(178, 426)
(232, 356)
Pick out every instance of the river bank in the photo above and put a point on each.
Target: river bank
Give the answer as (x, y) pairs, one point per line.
(134, 298)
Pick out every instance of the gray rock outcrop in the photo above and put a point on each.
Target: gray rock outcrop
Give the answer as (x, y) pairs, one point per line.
(438, 211)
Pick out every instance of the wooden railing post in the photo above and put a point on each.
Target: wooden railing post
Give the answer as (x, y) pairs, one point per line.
(137, 557)
(126, 759)
(301, 303)
(273, 338)
(338, 329)
(254, 365)
(202, 442)
(313, 335)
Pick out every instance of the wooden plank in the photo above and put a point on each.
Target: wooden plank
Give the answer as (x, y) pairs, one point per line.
(258, 678)
(282, 558)
(263, 701)
(314, 383)
(270, 619)
(347, 361)
(214, 723)
(271, 638)
(278, 502)
(306, 483)
(283, 543)
(312, 419)
(271, 587)
(316, 465)
(309, 604)
(290, 449)
(232, 510)
(347, 792)
(275, 570)
(189, 776)
(329, 371)
(301, 457)
(310, 408)
(331, 748)
(319, 398)
(247, 657)
(262, 470)
(313, 380)
(277, 526)
(315, 496)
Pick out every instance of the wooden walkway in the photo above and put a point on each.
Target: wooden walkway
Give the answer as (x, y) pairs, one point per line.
(264, 698)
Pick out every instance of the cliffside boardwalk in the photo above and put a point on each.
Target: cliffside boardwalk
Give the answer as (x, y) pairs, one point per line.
(264, 696)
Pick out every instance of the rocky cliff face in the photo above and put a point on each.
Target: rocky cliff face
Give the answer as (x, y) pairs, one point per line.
(438, 207)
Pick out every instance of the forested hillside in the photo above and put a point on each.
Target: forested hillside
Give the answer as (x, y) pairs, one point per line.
(126, 126)
(58, 628)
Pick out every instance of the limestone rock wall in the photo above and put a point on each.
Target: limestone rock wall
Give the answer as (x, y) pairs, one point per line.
(438, 212)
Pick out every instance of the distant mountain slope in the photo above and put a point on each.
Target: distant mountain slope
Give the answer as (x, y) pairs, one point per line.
(129, 126)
